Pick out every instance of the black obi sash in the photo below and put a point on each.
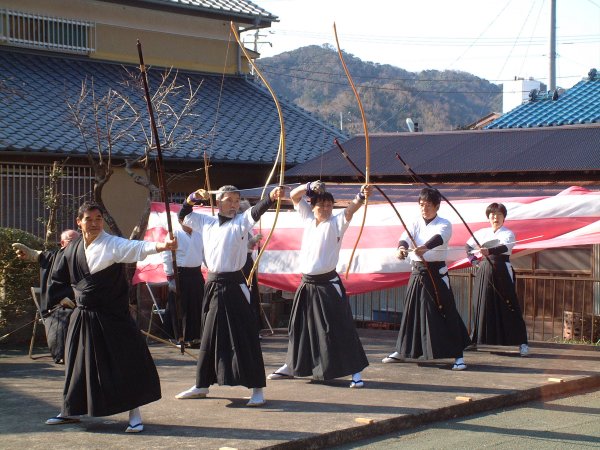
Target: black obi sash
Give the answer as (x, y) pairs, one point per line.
(188, 270)
(497, 259)
(319, 279)
(226, 277)
(420, 268)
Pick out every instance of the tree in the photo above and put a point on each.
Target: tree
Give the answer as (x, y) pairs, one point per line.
(118, 118)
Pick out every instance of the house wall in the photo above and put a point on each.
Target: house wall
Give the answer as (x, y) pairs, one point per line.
(515, 92)
(168, 39)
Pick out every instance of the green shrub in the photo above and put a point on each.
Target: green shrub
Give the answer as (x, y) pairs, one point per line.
(16, 278)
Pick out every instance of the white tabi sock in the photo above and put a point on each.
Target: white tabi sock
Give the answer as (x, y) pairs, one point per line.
(197, 390)
(395, 355)
(135, 417)
(257, 396)
(357, 377)
(285, 370)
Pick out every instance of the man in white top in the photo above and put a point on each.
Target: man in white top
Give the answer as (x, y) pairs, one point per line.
(431, 327)
(190, 256)
(323, 342)
(108, 368)
(230, 352)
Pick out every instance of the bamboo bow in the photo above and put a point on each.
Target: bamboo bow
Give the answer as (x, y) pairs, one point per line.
(367, 146)
(207, 183)
(163, 186)
(420, 179)
(410, 236)
(280, 153)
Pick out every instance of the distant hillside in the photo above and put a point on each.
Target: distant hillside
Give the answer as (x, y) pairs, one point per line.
(313, 78)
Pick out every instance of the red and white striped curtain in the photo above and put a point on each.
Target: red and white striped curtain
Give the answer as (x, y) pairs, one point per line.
(568, 219)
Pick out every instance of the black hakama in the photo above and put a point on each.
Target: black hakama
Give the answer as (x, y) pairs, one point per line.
(191, 293)
(230, 352)
(57, 326)
(426, 330)
(56, 323)
(254, 290)
(108, 366)
(498, 317)
(323, 342)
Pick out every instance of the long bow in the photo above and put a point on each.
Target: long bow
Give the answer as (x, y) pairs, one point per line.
(420, 179)
(207, 183)
(163, 186)
(410, 236)
(367, 146)
(280, 152)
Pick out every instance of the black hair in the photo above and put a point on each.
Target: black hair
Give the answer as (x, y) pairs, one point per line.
(89, 206)
(495, 208)
(430, 195)
(322, 197)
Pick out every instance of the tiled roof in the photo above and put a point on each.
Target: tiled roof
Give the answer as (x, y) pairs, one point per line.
(35, 117)
(481, 154)
(578, 105)
(227, 8)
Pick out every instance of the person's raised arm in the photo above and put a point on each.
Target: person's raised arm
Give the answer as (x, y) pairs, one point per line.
(192, 200)
(357, 202)
(263, 205)
(306, 189)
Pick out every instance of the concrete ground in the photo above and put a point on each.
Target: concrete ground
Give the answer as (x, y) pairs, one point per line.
(559, 424)
(299, 413)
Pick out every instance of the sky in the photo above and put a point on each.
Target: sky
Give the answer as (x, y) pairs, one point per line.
(497, 40)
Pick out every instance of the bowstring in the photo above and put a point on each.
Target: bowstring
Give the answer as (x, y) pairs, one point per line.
(322, 152)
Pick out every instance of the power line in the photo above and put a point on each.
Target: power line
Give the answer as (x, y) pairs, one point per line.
(269, 68)
(444, 41)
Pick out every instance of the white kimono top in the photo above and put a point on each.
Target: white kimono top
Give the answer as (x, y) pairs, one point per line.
(504, 237)
(225, 246)
(190, 251)
(321, 243)
(422, 232)
(107, 249)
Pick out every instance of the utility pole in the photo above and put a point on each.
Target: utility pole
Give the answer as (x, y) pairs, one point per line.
(552, 75)
(257, 41)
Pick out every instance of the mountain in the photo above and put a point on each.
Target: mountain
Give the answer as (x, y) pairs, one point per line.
(313, 78)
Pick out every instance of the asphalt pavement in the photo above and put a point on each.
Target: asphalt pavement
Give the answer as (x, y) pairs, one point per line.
(299, 413)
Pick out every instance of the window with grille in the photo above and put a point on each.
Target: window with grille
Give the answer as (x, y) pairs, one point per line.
(22, 191)
(48, 33)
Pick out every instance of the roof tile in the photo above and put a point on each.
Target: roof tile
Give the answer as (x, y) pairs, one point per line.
(578, 105)
(242, 113)
(470, 153)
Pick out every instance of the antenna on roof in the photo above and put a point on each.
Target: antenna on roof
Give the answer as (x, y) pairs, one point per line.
(410, 124)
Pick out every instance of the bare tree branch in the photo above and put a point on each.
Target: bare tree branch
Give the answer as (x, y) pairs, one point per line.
(116, 119)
